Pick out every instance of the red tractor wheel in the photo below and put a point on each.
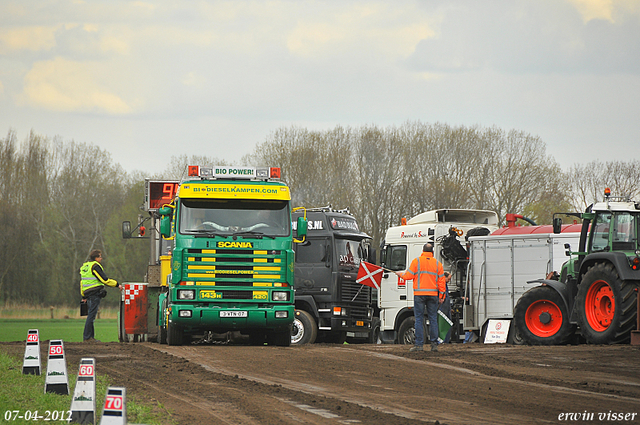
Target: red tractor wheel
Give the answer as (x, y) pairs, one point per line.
(605, 306)
(541, 317)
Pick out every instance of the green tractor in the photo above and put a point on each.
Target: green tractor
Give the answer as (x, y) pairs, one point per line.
(597, 288)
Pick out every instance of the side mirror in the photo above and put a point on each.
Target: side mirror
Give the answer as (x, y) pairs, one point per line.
(165, 226)
(557, 225)
(165, 211)
(126, 230)
(301, 231)
(372, 256)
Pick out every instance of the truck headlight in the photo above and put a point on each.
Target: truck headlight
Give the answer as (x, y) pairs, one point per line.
(187, 294)
(184, 313)
(282, 314)
(280, 296)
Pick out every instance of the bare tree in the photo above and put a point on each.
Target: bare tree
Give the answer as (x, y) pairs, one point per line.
(588, 181)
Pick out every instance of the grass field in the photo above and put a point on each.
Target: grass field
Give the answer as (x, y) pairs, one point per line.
(20, 394)
(70, 330)
(22, 311)
(24, 393)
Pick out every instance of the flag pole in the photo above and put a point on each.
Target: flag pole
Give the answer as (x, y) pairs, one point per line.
(357, 293)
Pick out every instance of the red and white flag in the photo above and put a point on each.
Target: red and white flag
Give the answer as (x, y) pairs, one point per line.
(370, 274)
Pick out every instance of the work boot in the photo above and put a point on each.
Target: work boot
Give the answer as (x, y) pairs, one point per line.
(91, 340)
(434, 346)
(416, 348)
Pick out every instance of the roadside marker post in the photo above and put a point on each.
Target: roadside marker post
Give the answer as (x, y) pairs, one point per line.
(32, 364)
(83, 403)
(115, 407)
(57, 380)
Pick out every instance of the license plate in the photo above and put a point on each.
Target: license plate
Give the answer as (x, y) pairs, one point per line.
(233, 314)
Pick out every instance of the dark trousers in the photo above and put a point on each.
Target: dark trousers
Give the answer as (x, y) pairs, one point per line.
(425, 305)
(93, 302)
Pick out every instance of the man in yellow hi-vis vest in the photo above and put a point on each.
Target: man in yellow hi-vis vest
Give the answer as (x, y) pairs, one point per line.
(92, 283)
(429, 290)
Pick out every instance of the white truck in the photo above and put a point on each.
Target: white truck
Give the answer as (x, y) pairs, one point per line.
(501, 267)
(446, 229)
(490, 267)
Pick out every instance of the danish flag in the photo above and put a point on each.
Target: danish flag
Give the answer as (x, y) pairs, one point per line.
(370, 275)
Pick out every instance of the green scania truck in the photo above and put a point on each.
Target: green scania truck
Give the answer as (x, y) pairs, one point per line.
(231, 257)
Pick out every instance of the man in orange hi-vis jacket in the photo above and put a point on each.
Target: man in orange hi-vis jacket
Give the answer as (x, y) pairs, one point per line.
(429, 290)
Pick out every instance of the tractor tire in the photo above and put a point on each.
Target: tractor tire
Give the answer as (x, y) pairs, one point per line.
(304, 329)
(606, 306)
(541, 317)
(175, 334)
(407, 331)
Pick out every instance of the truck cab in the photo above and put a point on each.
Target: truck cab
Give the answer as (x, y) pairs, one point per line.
(232, 256)
(330, 305)
(446, 229)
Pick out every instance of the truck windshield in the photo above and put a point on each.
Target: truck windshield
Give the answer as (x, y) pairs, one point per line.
(348, 253)
(235, 217)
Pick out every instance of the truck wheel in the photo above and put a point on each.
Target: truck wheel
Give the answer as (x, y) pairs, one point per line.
(541, 317)
(606, 306)
(304, 329)
(162, 335)
(175, 335)
(279, 339)
(407, 331)
(162, 331)
(374, 336)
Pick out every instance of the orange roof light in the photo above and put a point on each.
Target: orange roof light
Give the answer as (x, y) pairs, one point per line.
(194, 171)
(607, 192)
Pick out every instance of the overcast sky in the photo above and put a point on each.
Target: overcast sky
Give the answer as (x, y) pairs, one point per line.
(145, 80)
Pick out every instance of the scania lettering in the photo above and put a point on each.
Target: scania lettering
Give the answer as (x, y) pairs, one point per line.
(330, 305)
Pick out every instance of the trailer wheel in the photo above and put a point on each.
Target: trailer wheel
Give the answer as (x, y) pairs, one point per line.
(606, 306)
(304, 329)
(541, 317)
(175, 335)
(407, 331)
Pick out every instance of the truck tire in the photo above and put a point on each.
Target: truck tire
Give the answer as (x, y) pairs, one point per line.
(374, 336)
(162, 330)
(304, 329)
(279, 339)
(541, 317)
(162, 335)
(175, 335)
(606, 306)
(407, 331)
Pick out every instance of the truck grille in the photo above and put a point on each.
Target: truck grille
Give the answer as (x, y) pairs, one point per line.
(349, 291)
(227, 267)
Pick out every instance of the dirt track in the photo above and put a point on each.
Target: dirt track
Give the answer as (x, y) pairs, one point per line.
(372, 384)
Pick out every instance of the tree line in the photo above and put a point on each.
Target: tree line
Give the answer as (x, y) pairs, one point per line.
(60, 200)
(386, 173)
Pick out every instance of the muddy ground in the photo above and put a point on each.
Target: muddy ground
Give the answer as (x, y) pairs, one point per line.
(372, 384)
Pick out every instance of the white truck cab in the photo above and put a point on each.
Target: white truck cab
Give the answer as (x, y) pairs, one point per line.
(447, 229)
